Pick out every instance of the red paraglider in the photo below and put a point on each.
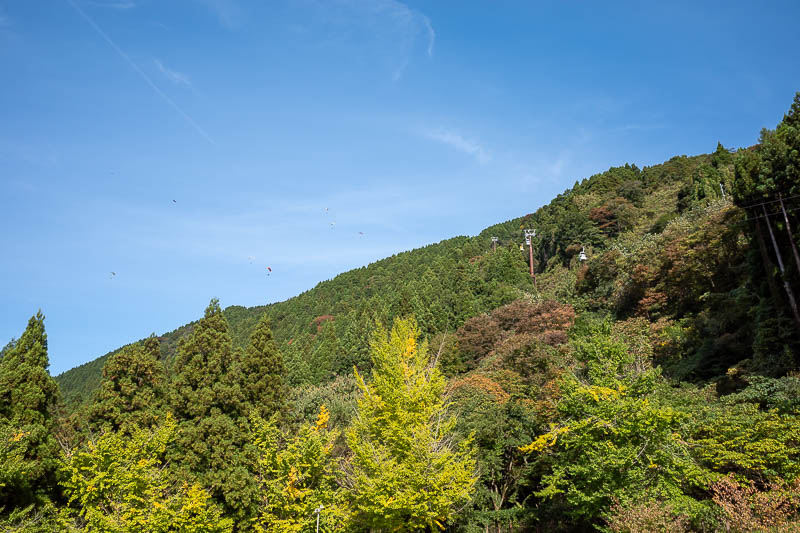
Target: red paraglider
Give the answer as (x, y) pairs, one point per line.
(269, 269)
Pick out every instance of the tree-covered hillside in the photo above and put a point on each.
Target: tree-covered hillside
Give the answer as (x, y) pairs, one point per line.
(646, 379)
(322, 331)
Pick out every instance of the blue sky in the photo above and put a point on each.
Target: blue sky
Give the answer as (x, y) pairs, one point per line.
(283, 129)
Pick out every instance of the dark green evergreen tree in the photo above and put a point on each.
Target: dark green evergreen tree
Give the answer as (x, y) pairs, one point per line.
(326, 350)
(262, 372)
(297, 360)
(354, 342)
(28, 398)
(211, 445)
(766, 185)
(131, 394)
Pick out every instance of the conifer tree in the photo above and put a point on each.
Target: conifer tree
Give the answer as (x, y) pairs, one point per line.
(211, 445)
(297, 361)
(262, 371)
(28, 397)
(354, 342)
(326, 350)
(132, 391)
(406, 475)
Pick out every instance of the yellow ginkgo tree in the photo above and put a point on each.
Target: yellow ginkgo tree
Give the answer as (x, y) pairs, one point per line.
(298, 477)
(406, 472)
(118, 483)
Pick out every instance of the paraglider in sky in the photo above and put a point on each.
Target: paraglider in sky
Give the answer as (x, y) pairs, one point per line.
(269, 271)
(112, 275)
(251, 259)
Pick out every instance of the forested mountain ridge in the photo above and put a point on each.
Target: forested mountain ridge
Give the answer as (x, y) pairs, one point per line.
(445, 283)
(645, 380)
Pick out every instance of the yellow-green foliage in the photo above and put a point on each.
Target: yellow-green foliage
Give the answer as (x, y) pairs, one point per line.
(13, 444)
(749, 442)
(298, 475)
(615, 437)
(118, 483)
(406, 475)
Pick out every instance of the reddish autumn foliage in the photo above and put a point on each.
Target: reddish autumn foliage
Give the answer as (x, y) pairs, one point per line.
(320, 320)
(776, 507)
(483, 384)
(614, 217)
(650, 515)
(549, 319)
(476, 338)
(512, 329)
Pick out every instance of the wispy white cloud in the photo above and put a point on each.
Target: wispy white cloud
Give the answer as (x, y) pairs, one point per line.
(5, 22)
(388, 31)
(228, 12)
(406, 24)
(431, 34)
(140, 72)
(460, 143)
(640, 126)
(36, 155)
(412, 22)
(113, 4)
(276, 232)
(173, 75)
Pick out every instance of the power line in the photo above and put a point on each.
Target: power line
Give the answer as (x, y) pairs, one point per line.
(756, 204)
(769, 215)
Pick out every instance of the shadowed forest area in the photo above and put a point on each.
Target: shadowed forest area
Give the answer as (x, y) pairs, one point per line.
(646, 379)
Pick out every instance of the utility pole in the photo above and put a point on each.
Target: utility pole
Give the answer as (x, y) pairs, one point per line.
(529, 235)
(786, 286)
(494, 244)
(789, 231)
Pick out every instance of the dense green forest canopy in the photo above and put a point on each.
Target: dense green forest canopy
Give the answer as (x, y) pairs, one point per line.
(646, 379)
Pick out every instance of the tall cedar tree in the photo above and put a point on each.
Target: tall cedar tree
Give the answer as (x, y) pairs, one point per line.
(211, 443)
(262, 371)
(405, 473)
(28, 397)
(131, 394)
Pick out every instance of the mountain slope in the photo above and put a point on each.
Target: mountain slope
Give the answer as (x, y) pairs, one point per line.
(324, 331)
